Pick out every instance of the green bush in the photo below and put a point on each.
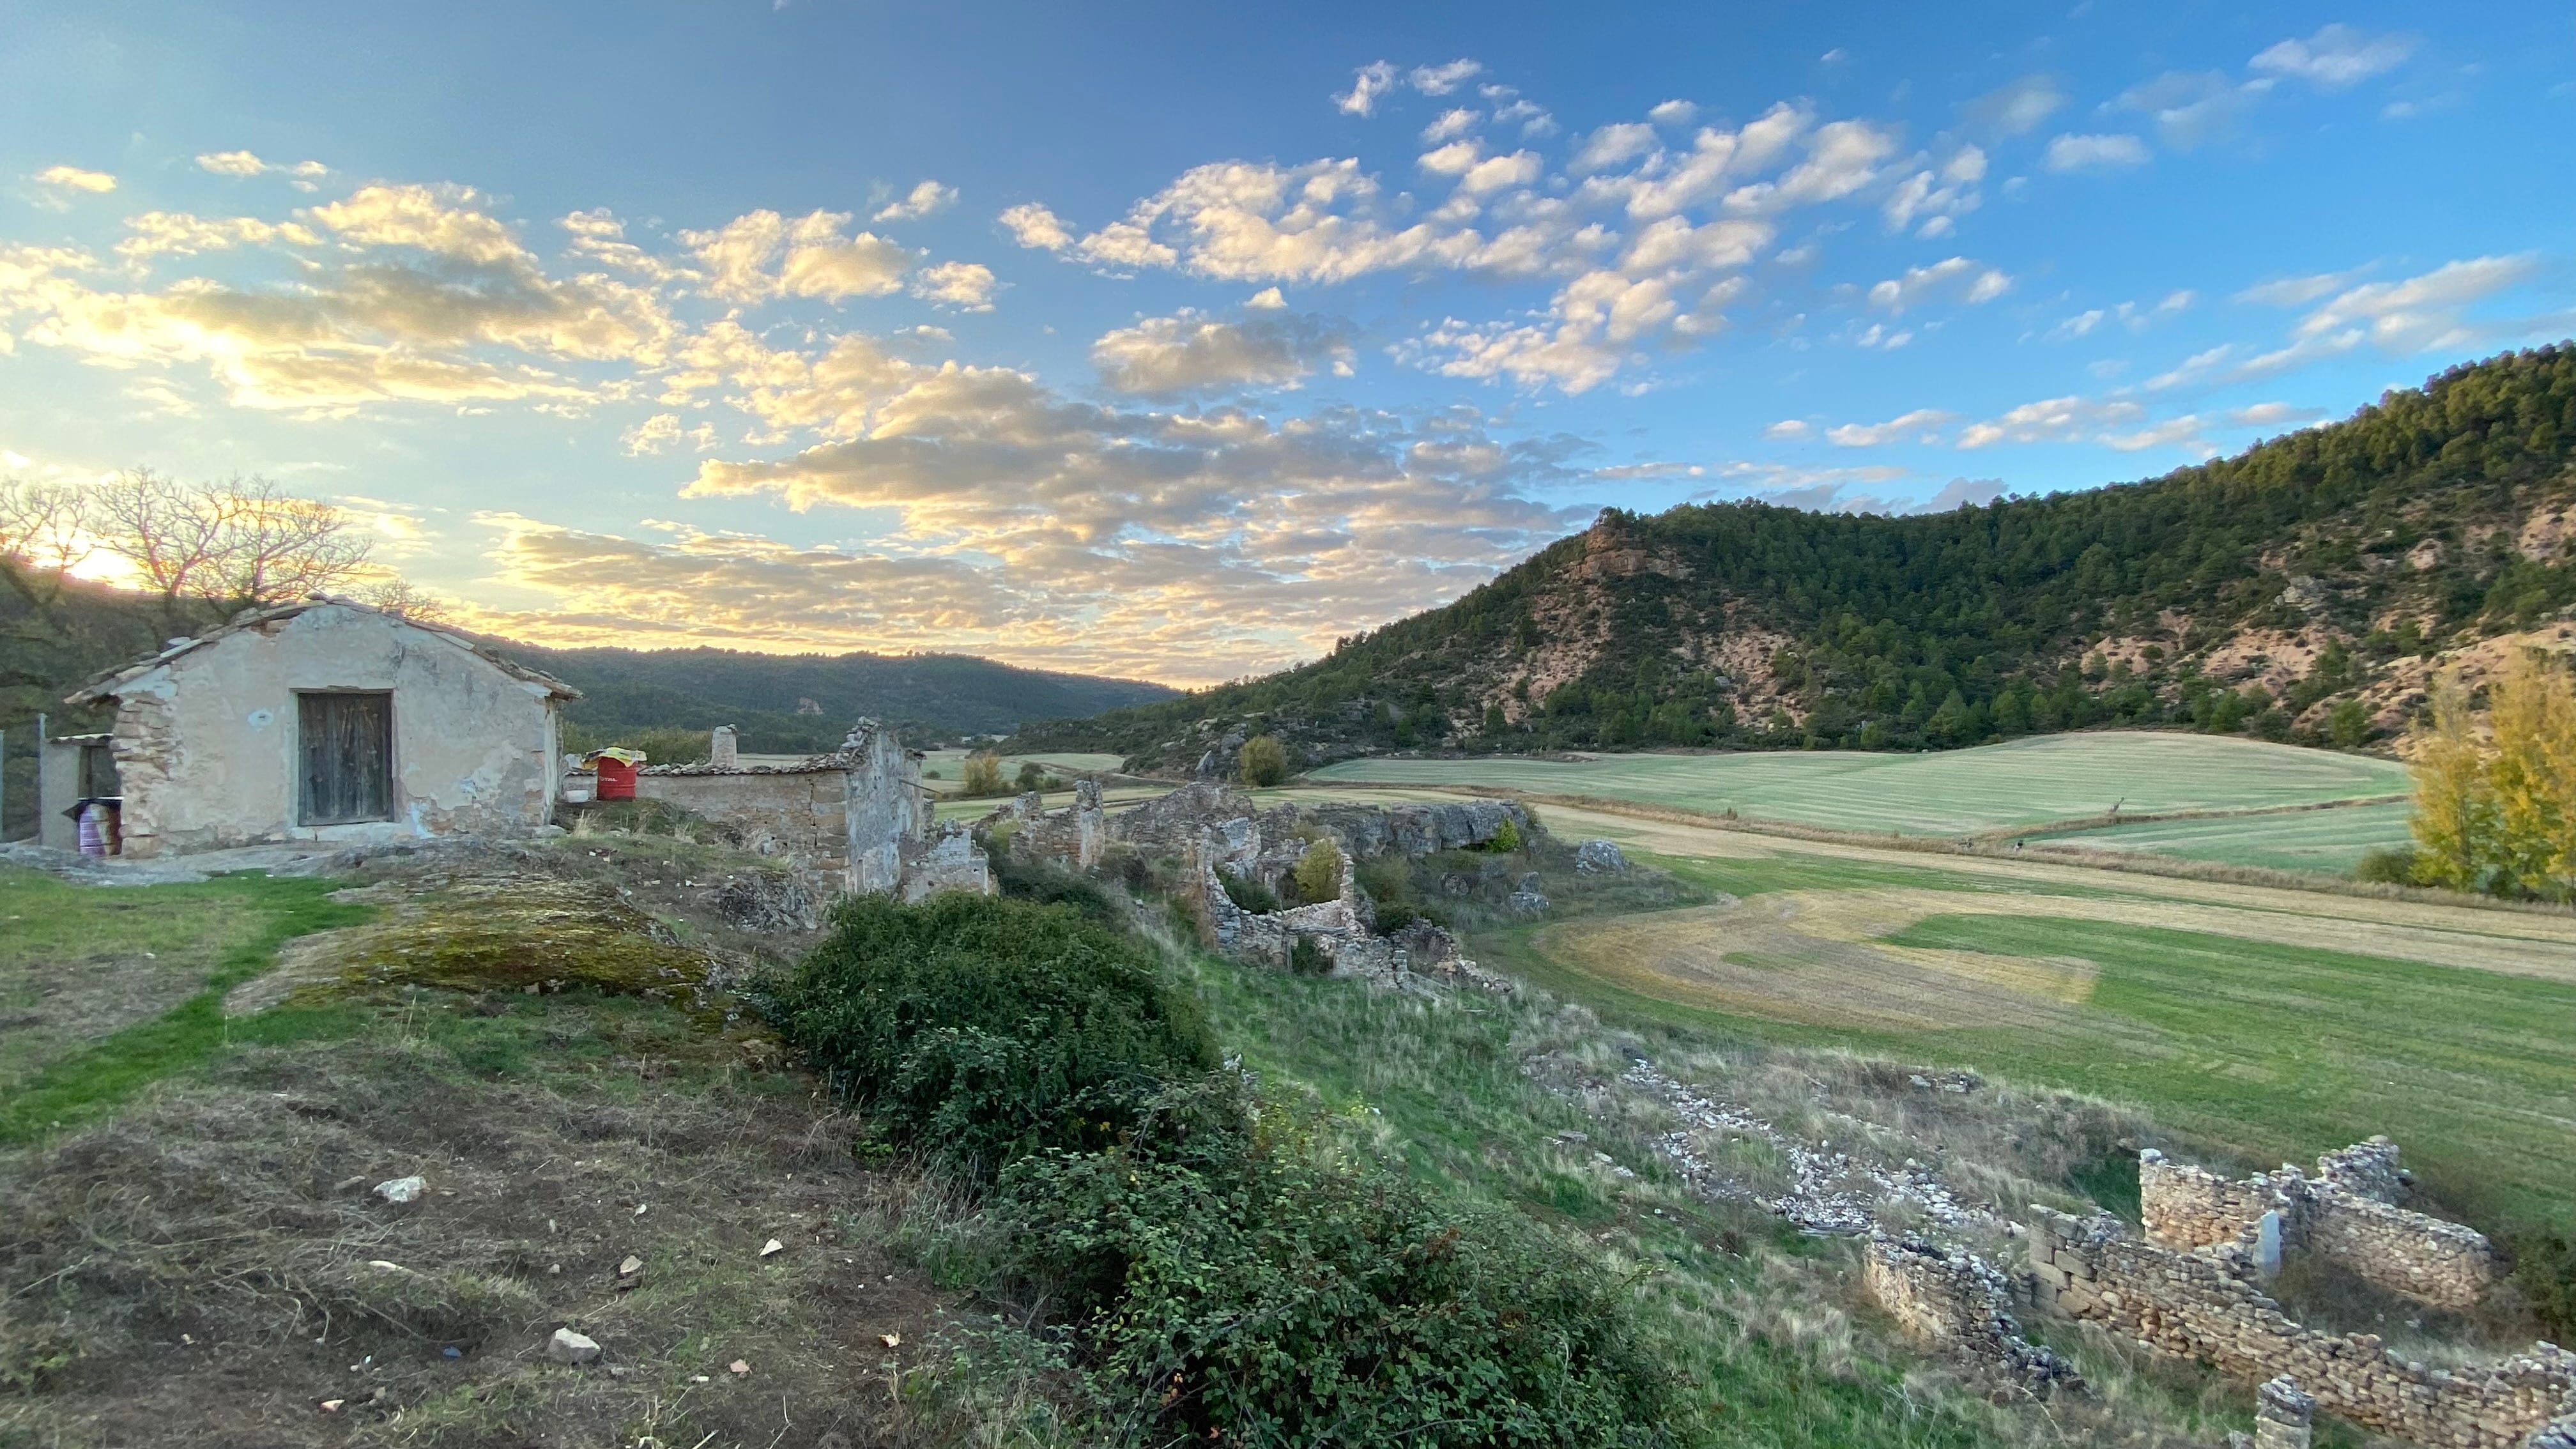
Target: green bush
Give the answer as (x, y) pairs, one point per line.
(2386, 867)
(981, 1027)
(1263, 760)
(1319, 872)
(1387, 880)
(1246, 891)
(1506, 839)
(1236, 1284)
(2544, 1268)
(1307, 958)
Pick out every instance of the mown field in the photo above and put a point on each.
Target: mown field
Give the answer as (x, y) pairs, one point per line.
(2333, 841)
(2260, 1024)
(2023, 782)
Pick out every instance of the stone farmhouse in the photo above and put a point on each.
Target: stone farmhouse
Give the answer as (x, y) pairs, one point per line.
(327, 722)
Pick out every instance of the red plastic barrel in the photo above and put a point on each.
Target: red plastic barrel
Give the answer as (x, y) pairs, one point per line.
(616, 779)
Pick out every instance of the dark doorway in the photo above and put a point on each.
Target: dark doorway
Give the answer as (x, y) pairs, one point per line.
(348, 757)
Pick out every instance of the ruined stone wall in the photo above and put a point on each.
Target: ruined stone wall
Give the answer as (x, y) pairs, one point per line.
(2425, 1258)
(2344, 1215)
(1072, 837)
(1419, 829)
(798, 816)
(1959, 1301)
(207, 746)
(2187, 1207)
(2204, 1306)
(947, 861)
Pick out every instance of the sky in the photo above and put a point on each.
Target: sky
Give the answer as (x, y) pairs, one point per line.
(1175, 341)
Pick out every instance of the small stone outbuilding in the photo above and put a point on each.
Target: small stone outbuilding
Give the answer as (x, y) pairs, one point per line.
(327, 721)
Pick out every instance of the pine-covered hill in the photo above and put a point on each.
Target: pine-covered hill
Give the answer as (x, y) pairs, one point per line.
(2304, 589)
(786, 703)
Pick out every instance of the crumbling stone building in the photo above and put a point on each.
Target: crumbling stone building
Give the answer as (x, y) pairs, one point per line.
(329, 722)
(856, 820)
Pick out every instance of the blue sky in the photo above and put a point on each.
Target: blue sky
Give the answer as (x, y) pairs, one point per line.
(1175, 340)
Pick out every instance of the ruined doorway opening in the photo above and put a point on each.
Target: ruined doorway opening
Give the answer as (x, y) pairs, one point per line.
(348, 747)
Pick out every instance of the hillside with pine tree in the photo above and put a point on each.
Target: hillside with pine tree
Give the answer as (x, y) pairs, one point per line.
(2307, 589)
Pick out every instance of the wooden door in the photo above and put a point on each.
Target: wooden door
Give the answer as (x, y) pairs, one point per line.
(348, 744)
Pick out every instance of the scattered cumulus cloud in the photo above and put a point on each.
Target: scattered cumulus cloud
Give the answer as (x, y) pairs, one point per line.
(305, 175)
(2018, 108)
(1032, 225)
(1672, 113)
(1973, 282)
(2335, 57)
(1367, 84)
(2073, 152)
(761, 254)
(1923, 425)
(1440, 80)
(75, 178)
(966, 285)
(925, 198)
(1192, 352)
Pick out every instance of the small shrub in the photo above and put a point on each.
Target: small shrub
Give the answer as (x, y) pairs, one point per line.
(1263, 760)
(1319, 871)
(982, 1027)
(1238, 1284)
(1307, 958)
(1045, 883)
(1387, 881)
(1246, 891)
(2387, 867)
(983, 774)
(2544, 1268)
(1506, 839)
(1032, 776)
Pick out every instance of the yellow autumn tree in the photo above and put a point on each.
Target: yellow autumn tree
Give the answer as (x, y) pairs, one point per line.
(2500, 816)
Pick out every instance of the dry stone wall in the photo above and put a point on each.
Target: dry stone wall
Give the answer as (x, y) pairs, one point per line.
(2205, 1306)
(2346, 1214)
(1960, 1302)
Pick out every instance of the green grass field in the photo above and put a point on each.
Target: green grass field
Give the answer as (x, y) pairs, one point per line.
(2262, 1025)
(2323, 840)
(2024, 782)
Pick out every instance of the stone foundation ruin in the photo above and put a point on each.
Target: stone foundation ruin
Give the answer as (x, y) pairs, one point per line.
(1960, 1302)
(855, 821)
(2192, 1288)
(2347, 1214)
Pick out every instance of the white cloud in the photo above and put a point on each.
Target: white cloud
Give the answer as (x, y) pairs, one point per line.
(812, 257)
(663, 431)
(1451, 125)
(2336, 56)
(2073, 152)
(2298, 291)
(244, 163)
(2018, 108)
(1500, 173)
(74, 178)
(969, 285)
(1977, 284)
(1453, 159)
(1440, 80)
(1920, 425)
(1937, 198)
(1612, 145)
(1192, 352)
(1790, 430)
(922, 200)
(1032, 225)
(2193, 108)
(158, 233)
(2056, 419)
(1367, 84)
(1672, 113)
(2272, 415)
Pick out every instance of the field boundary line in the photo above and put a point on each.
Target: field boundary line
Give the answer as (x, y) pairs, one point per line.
(1984, 848)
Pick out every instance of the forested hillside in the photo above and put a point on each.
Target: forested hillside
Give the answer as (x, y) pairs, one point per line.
(791, 702)
(2304, 589)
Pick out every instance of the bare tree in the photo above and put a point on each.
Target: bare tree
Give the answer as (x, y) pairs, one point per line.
(45, 533)
(404, 599)
(219, 547)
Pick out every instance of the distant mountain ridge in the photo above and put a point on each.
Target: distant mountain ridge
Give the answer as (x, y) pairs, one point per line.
(2304, 589)
(787, 703)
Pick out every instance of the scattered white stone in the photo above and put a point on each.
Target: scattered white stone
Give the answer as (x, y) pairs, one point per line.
(570, 1347)
(632, 1266)
(772, 1246)
(403, 1189)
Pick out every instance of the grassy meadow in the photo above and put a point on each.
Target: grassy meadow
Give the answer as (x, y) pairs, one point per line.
(2020, 783)
(2258, 1024)
(2332, 841)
